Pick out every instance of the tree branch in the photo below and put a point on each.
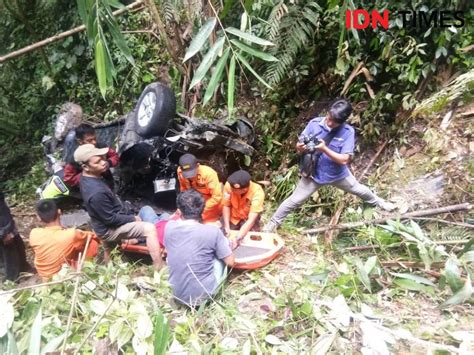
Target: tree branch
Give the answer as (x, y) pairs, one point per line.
(59, 36)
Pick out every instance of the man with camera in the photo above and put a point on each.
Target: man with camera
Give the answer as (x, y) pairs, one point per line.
(326, 146)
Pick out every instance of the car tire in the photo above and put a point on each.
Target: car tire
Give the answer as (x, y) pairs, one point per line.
(156, 120)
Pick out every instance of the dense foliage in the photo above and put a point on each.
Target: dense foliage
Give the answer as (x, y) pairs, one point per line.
(316, 55)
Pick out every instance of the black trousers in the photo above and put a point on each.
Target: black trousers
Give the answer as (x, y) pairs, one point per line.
(14, 258)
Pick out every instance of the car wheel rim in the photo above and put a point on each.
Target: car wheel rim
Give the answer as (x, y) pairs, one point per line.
(146, 109)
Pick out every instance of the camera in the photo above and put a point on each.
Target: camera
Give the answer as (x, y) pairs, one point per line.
(310, 142)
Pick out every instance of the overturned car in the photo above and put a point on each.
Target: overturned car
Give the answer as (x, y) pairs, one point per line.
(150, 140)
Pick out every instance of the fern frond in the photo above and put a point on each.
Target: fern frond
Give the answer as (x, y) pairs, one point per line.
(274, 20)
(169, 11)
(291, 29)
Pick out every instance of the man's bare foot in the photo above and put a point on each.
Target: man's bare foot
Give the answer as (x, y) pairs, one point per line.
(132, 241)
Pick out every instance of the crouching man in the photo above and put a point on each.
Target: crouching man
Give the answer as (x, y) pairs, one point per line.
(197, 253)
(242, 204)
(54, 245)
(112, 221)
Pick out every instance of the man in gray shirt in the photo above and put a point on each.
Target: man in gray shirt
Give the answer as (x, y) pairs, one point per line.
(196, 252)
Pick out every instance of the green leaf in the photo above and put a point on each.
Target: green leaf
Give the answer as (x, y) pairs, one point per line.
(200, 39)
(353, 30)
(467, 247)
(417, 230)
(370, 264)
(362, 274)
(462, 295)
(119, 40)
(248, 36)
(416, 278)
(100, 67)
(91, 24)
(35, 335)
(249, 67)
(453, 274)
(8, 344)
(81, 6)
(254, 52)
(161, 336)
(468, 257)
(207, 62)
(411, 285)
(247, 160)
(216, 76)
(231, 86)
(53, 344)
(116, 4)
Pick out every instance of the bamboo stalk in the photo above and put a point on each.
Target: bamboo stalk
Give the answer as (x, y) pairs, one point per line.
(422, 213)
(57, 37)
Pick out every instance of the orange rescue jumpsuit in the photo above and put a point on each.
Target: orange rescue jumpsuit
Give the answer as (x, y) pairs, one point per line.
(207, 184)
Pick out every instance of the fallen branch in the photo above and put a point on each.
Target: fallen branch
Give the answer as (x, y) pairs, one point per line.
(422, 213)
(61, 35)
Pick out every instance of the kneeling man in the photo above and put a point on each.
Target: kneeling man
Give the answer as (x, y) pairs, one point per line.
(242, 204)
(54, 245)
(197, 253)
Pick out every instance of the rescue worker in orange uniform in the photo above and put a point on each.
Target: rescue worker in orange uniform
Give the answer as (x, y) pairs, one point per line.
(242, 204)
(203, 179)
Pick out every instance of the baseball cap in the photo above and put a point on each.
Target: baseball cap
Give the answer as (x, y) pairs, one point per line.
(188, 164)
(86, 151)
(239, 179)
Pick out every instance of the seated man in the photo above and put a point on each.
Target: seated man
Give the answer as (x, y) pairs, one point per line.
(111, 220)
(196, 252)
(85, 134)
(12, 248)
(54, 245)
(242, 204)
(203, 179)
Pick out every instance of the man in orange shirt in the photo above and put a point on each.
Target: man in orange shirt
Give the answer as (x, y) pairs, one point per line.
(203, 179)
(54, 245)
(242, 204)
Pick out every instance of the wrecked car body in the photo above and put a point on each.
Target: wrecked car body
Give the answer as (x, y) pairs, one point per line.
(150, 140)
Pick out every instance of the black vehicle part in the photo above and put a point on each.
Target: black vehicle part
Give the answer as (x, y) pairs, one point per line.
(155, 109)
(245, 130)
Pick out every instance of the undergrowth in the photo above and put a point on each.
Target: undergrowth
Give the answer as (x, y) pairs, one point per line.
(313, 297)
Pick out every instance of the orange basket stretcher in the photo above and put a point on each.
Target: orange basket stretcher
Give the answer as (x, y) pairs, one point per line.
(257, 249)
